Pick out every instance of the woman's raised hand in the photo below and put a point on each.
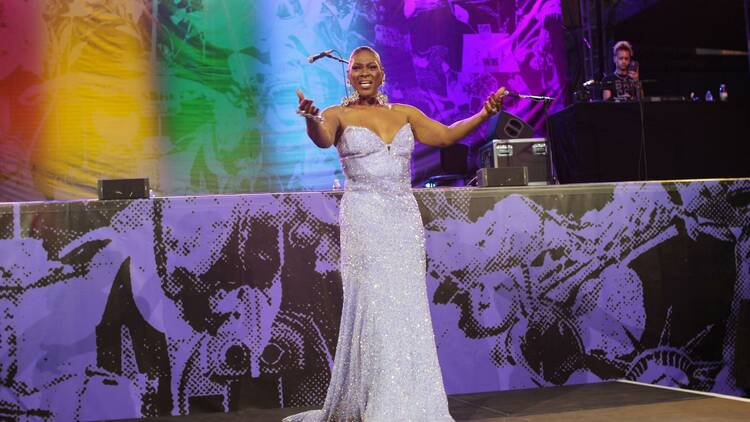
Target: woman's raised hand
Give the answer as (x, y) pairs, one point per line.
(494, 102)
(306, 107)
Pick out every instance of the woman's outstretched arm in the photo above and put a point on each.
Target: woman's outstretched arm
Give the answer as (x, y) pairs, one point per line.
(322, 132)
(431, 132)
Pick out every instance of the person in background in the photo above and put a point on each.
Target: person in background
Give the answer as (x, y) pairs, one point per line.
(624, 83)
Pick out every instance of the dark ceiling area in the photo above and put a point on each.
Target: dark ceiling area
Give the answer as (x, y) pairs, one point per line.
(717, 24)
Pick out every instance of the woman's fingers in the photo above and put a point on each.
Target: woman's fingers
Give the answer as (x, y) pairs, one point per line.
(306, 105)
(494, 103)
(499, 95)
(490, 106)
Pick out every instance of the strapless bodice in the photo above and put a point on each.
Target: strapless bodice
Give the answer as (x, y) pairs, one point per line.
(371, 164)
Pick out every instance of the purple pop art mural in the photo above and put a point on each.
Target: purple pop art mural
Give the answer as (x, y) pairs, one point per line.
(556, 298)
(447, 57)
(175, 305)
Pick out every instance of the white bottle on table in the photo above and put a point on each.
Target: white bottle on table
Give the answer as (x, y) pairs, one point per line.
(723, 94)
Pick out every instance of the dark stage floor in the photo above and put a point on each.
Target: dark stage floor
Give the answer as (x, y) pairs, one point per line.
(611, 401)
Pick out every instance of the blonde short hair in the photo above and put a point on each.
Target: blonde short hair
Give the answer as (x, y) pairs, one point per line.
(622, 45)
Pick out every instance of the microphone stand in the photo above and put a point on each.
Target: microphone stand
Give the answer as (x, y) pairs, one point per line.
(343, 62)
(552, 174)
(343, 69)
(319, 118)
(642, 150)
(533, 97)
(338, 59)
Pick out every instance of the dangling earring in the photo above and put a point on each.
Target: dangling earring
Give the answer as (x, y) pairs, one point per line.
(350, 99)
(381, 98)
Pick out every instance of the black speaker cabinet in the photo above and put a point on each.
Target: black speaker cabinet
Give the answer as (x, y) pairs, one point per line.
(123, 188)
(505, 125)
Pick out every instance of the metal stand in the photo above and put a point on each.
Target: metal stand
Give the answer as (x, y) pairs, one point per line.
(642, 150)
(552, 172)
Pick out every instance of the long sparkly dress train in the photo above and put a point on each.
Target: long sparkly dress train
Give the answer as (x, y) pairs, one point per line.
(386, 367)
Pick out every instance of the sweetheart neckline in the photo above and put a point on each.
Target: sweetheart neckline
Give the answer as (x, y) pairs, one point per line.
(378, 136)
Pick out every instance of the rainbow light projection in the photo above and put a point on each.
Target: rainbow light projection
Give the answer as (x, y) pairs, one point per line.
(198, 95)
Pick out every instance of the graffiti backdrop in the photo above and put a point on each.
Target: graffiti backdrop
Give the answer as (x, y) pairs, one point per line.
(198, 95)
(121, 309)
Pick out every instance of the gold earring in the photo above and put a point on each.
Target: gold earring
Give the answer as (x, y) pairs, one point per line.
(350, 99)
(381, 98)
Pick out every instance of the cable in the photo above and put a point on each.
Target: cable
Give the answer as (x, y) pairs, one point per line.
(552, 176)
(343, 72)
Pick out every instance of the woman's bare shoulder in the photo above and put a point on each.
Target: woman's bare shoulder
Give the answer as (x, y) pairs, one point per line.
(409, 111)
(333, 110)
(402, 107)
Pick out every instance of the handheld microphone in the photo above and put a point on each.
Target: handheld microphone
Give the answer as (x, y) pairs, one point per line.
(320, 55)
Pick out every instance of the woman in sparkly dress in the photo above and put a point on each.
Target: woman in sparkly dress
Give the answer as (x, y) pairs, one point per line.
(386, 367)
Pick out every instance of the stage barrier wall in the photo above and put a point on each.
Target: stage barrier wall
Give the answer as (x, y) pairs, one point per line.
(122, 309)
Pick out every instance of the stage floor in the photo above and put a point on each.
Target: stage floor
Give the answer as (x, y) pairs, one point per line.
(612, 401)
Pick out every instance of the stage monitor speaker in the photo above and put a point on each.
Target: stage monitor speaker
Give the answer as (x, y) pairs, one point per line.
(502, 176)
(520, 152)
(123, 188)
(505, 125)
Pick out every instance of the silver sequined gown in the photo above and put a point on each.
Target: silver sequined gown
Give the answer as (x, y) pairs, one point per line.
(386, 367)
